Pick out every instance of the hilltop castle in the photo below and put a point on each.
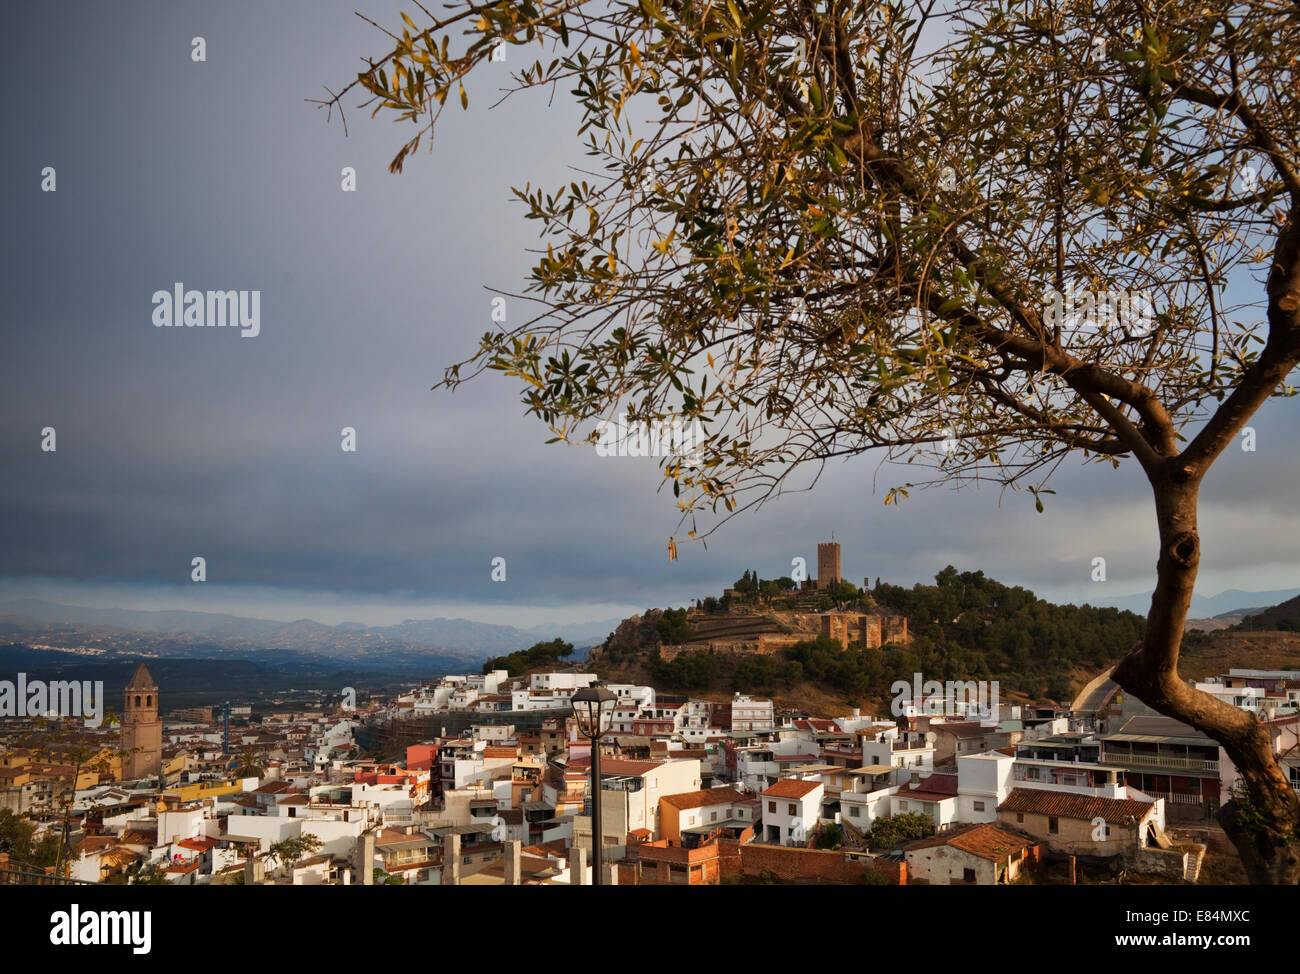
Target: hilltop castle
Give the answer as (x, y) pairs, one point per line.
(744, 632)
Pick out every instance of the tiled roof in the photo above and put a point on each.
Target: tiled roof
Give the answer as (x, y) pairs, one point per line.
(934, 788)
(617, 766)
(141, 680)
(555, 847)
(1063, 804)
(93, 843)
(986, 841)
(791, 788)
(702, 798)
(817, 724)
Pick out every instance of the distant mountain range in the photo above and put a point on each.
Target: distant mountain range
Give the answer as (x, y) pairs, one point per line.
(177, 633)
(1233, 602)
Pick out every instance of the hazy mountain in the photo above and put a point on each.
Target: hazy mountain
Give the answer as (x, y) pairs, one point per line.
(174, 632)
(1232, 602)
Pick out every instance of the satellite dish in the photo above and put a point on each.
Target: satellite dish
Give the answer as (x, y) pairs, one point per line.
(931, 737)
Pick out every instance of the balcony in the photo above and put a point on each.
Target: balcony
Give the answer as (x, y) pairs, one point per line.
(1175, 762)
(1178, 798)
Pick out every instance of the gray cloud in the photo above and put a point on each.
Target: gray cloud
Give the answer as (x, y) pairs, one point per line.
(183, 442)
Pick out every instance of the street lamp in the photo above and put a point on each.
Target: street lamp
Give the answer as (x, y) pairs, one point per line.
(593, 709)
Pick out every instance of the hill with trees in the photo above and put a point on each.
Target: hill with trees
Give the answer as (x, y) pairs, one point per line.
(965, 626)
(1284, 617)
(539, 654)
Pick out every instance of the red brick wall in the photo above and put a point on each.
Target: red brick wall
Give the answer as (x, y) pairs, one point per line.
(811, 865)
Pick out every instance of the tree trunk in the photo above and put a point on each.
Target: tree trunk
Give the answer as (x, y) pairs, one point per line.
(1265, 824)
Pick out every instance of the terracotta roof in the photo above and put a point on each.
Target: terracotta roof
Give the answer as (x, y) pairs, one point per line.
(93, 843)
(816, 723)
(555, 847)
(618, 766)
(702, 798)
(791, 788)
(1062, 804)
(934, 788)
(986, 841)
(501, 752)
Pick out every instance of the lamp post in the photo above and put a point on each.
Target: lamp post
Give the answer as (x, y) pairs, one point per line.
(593, 709)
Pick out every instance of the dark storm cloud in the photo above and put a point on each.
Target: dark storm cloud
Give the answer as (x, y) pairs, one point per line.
(181, 442)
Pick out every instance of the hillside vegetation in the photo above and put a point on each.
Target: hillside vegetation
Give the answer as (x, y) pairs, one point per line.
(1280, 618)
(964, 627)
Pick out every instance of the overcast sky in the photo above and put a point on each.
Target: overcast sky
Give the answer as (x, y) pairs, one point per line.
(177, 442)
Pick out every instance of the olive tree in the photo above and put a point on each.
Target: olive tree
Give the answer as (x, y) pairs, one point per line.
(978, 238)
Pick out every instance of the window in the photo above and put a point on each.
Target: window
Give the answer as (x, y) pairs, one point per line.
(771, 807)
(791, 809)
(713, 816)
(968, 875)
(1053, 826)
(979, 806)
(853, 812)
(1020, 816)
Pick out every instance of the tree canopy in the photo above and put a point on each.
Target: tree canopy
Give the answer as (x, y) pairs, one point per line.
(539, 654)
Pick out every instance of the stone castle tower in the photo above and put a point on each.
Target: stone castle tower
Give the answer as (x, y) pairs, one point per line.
(828, 563)
(141, 728)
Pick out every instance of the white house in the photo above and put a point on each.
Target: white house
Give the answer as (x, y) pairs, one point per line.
(934, 795)
(980, 855)
(561, 681)
(791, 810)
(983, 783)
(913, 749)
(751, 714)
